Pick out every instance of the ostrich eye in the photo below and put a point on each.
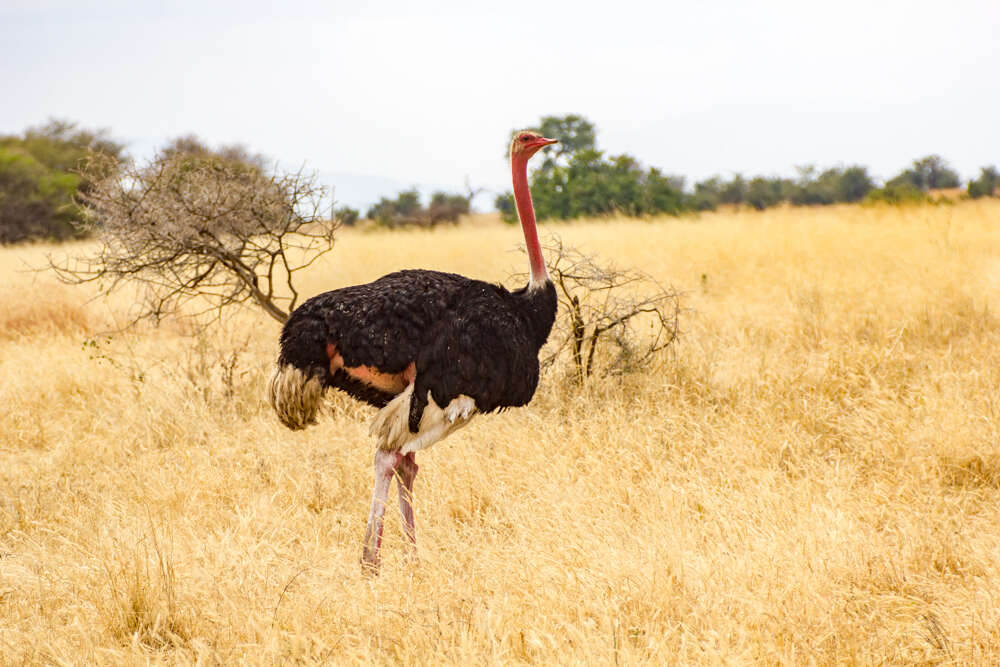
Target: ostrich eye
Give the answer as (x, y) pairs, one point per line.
(525, 138)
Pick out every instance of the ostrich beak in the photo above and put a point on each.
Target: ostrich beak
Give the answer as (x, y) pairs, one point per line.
(542, 141)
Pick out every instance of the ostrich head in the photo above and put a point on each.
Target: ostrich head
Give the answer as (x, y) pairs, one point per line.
(526, 143)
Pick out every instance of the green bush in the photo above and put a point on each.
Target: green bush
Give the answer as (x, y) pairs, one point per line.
(406, 209)
(831, 186)
(854, 184)
(346, 215)
(707, 194)
(987, 183)
(897, 193)
(35, 201)
(734, 192)
(445, 207)
(40, 179)
(766, 192)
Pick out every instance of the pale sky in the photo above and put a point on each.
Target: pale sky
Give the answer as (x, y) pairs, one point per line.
(380, 96)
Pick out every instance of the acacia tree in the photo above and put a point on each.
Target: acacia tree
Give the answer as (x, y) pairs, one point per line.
(201, 227)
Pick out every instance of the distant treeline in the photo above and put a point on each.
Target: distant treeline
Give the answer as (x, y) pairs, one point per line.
(576, 180)
(44, 170)
(406, 209)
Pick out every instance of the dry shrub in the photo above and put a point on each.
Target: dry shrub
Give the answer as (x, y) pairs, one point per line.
(610, 321)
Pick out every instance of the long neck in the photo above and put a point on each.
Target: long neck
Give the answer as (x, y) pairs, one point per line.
(526, 212)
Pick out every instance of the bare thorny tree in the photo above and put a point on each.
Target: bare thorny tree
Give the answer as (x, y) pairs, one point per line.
(606, 305)
(204, 229)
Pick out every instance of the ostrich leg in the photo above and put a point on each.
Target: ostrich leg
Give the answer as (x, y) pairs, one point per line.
(407, 469)
(385, 466)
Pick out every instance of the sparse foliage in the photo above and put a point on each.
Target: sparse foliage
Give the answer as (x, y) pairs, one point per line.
(201, 227)
(603, 306)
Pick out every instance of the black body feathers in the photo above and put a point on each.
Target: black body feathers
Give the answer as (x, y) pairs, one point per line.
(465, 336)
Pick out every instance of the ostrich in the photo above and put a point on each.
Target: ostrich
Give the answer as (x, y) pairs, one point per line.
(430, 349)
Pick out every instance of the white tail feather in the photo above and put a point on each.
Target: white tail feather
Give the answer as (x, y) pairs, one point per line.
(391, 427)
(295, 396)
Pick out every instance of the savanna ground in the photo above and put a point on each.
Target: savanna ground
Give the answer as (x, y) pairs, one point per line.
(811, 476)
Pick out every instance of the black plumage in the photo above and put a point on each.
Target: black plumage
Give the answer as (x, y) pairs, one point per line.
(465, 336)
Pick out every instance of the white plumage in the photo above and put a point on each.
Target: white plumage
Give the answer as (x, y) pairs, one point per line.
(391, 431)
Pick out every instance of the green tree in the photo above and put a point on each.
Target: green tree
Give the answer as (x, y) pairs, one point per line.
(399, 211)
(40, 179)
(854, 184)
(813, 189)
(406, 209)
(445, 207)
(765, 192)
(63, 146)
(346, 215)
(35, 201)
(734, 192)
(707, 194)
(832, 185)
(987, 183)
(928, 173)
(579, 180)
(664, 194)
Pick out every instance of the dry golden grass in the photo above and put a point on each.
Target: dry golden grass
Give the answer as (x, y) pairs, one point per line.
(811, 477)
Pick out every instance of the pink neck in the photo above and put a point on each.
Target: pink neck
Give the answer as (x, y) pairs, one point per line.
(526, 212)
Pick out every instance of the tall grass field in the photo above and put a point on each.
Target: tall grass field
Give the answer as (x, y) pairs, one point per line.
(810, 475)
